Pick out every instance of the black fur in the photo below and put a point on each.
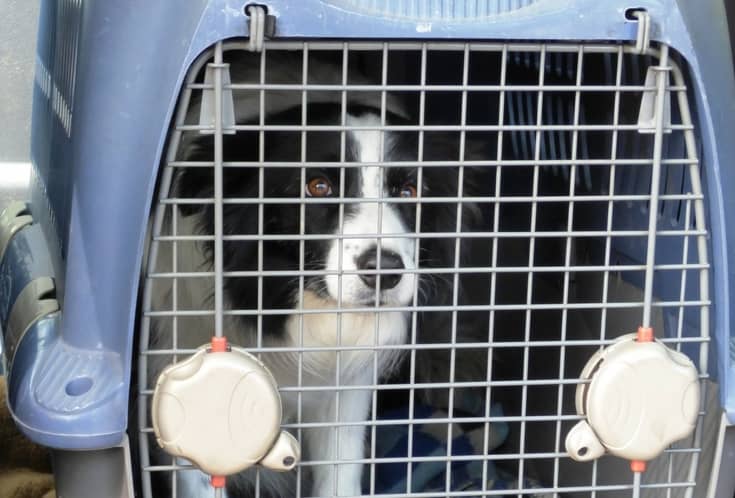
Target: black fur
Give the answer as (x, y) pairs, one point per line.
(243, 183)
(320, 218)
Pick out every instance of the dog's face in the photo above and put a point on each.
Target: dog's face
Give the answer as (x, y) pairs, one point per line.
(384, 246)
(350, 228)
(342, 204)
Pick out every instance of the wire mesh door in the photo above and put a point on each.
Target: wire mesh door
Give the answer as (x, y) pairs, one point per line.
(424, 242)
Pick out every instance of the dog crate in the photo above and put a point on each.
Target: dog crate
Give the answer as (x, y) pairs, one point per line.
(567, 185)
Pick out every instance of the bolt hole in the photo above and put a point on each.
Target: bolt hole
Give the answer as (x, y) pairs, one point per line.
(582, 451)
(630, 14)
(78, 386)
(288, 461)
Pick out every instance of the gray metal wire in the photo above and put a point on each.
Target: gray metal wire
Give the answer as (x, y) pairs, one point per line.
(691, 304)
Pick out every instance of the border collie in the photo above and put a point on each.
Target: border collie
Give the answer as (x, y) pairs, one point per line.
(374, 271)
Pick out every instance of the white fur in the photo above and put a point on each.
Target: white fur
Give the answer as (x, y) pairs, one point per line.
(318, 368)
(378, 218)
(356, 368)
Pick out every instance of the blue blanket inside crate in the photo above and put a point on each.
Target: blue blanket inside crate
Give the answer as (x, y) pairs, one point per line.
(430, 440)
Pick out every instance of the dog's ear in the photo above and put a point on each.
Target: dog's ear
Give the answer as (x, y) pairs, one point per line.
(193, 182)
(197, 181)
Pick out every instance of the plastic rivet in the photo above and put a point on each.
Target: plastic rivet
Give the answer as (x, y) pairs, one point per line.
(219, 344)
(638, 466)
(645, 334)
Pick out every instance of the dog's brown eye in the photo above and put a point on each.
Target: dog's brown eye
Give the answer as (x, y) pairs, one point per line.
(318, 187)
(407, 190)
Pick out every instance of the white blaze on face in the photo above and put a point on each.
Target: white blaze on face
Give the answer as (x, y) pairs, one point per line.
(370, 218)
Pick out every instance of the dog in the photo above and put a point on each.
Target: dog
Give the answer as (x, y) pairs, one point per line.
(349, 225)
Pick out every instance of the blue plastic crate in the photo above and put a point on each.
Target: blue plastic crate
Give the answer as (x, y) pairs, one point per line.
(107, 81)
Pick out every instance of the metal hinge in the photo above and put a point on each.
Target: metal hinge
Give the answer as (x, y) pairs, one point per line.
(649, 108)
(261, 26)
(643, 35)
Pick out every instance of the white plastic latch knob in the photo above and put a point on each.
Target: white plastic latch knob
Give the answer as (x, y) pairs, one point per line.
(640, 398)
(222, 411)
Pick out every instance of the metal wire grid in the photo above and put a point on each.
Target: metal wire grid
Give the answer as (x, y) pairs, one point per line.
(553, 122)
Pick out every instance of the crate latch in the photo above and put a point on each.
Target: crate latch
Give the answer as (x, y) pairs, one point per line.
(14, 217)
(626, 411)
(643, 35)
(36, 300)
(221, 410)
(261, 26)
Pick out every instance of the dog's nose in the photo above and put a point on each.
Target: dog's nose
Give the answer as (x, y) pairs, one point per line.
(388, 261)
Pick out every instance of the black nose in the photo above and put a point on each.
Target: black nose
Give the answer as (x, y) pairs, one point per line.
(388, 261)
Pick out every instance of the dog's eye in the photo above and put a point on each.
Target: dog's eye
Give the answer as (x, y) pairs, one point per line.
(407, 190)
(318, 187)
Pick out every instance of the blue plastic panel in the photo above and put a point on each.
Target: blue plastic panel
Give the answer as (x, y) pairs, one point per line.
(66, 398)
(100, 116)
(446, 11)
(714, 90)
(108, 75)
